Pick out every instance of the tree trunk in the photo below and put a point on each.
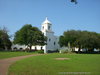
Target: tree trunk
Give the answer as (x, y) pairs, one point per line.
(86, 50)
(6, 48)
(35, 48)
(79, 50)
(41, 48)
(30, 48)
(73, 49)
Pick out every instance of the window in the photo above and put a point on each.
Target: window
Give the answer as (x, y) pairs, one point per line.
(49, 39)
(54, 43)
(48, 27)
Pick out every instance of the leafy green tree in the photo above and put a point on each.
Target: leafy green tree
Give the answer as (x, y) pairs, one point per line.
(5, 42)
(70, 37)
(81, 39)
(1, 42)
(29, 36)
(62, 41)
(41, 39)
(88, 40)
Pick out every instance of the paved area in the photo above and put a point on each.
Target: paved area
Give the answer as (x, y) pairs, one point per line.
(5, 63)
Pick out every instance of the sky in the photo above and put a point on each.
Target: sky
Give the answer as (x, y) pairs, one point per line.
(63, 14)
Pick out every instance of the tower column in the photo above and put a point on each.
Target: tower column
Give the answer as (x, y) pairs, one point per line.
(47, 31)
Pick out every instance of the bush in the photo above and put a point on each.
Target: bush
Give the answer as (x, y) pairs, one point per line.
(66, 50)
(40, 51)
(55, 51)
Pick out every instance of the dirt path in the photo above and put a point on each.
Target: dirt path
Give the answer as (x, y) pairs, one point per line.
(5, 63)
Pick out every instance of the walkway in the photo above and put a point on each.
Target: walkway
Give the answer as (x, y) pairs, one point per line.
(5, 63)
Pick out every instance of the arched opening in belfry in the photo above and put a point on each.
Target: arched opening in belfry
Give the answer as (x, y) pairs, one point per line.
(48, 27)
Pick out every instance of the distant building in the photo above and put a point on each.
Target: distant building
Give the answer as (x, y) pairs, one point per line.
(52, 40)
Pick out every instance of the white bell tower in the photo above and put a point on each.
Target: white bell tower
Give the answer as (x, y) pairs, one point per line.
(46, 26)
(52, 40)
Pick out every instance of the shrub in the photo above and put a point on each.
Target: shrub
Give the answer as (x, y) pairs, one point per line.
(40, 51)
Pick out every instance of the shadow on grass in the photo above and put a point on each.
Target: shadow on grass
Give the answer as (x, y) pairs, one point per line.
(98, 52)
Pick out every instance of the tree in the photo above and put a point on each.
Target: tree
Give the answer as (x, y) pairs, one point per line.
(5, 42)
(41, 39)
(70, 37)
(81, 39)
(1, 41)
(62, 41)
(28, 36)
(88, 40)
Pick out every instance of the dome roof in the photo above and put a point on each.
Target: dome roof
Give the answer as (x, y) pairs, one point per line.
(46, 21)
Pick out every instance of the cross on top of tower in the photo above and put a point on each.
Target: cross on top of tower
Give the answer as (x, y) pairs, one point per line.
(46, 21)
(46, 18)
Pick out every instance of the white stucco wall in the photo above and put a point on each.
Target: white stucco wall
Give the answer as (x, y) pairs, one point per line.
(18, 46)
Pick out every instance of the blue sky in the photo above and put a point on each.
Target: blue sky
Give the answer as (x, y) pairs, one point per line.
(63, 14)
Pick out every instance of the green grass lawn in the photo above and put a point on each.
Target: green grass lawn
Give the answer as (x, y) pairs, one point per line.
(78, 64)
(4, 55)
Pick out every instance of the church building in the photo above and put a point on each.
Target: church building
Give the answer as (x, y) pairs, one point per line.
(52, 40)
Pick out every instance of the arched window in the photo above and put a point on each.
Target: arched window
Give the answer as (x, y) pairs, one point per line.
(49, 39)
(48, 27)
(54, 43)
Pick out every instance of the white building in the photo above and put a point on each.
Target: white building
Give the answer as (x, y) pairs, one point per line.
(52, 40)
